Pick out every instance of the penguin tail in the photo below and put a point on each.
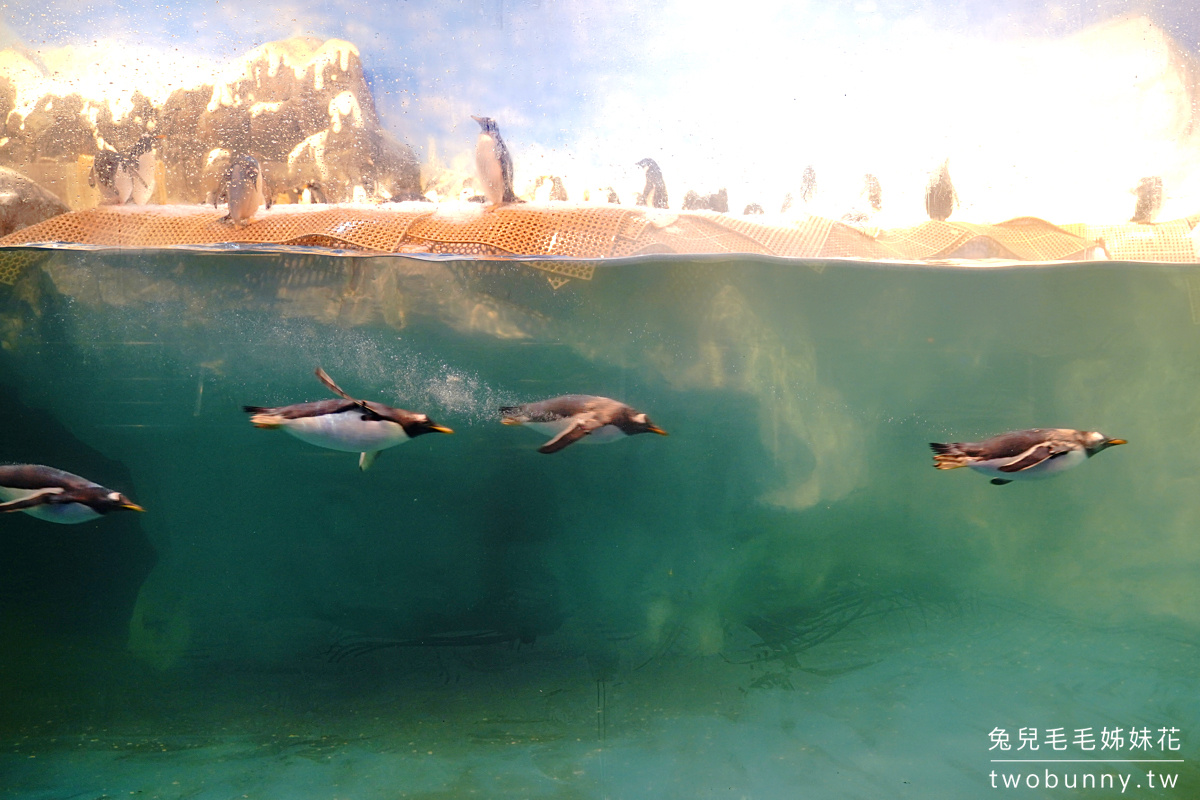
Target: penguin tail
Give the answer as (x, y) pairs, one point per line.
(947, 455)
(34, 500)
(263, 417)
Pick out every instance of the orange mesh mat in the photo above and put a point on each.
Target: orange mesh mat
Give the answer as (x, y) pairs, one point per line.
(595, 232)
(1167, 241)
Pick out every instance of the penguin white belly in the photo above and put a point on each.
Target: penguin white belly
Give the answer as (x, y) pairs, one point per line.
(1048, 468)
(64, 513)
(346, 431)
(143, 185)
(602, 435)
(123, 184)
(488, 167)
(244, 205)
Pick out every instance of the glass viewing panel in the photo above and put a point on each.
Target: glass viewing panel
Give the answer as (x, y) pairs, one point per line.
(300, 372)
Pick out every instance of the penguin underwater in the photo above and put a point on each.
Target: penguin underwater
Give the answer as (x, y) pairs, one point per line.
(494, 165)
(56, 496)
(1023, 455)
(572, 417)
(348, 425)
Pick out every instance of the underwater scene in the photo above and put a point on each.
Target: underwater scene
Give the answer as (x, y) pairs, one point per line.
(778, 598)
(886, 316)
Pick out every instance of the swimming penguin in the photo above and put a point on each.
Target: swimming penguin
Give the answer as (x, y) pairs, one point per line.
(1149, 193)
(655, 193)
(349, 425)
(1023, 455)
(140, 160)
(57, 496)
(574, 416)
(493, 164)
(940, 197)
(243, 190)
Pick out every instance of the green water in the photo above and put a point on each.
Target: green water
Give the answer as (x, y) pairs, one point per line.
(781, 598)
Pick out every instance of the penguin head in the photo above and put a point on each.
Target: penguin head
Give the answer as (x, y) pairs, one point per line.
(487, 124)
(635, 422)
(419, 424)
(145, 143)
(647, 162)
(244, 167)
(1094, 442)
(112, 501)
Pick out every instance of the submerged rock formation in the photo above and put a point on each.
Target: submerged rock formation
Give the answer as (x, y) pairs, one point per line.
(301, 106)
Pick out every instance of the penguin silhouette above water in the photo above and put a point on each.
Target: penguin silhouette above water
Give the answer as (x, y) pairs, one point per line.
(655, 192)
(1149, 193)
(573, 417)
(143, 163)
(1023, 455)
(808, 184)
(121, 177)
(103, 177)
(56, 496)
(493, 165)
(349, 425)
(244, 190)
(940, 197)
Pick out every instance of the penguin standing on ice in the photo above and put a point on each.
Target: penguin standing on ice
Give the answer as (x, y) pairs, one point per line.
(1149, 193)
(575, 416)
(1023, 455)
(143, 164)
(493, 165)
(348, 425)
(103, 178)
(244, 190)
(122, 177)
(808, 184)
(56, 496)
(940, 197)
(655, 193)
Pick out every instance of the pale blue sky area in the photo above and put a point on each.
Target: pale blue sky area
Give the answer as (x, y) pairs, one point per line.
(544, 63)
(745, 98)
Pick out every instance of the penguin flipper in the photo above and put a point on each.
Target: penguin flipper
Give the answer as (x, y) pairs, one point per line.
(324, 378)
(1032, 457)
(366, 459)
(1000, 482)
(569, 436)
(40, 498)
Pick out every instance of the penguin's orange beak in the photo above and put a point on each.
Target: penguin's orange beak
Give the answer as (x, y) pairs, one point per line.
(510, 421)
(133, 507)
(658, 430)
(1111, 442)
(440, 429)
